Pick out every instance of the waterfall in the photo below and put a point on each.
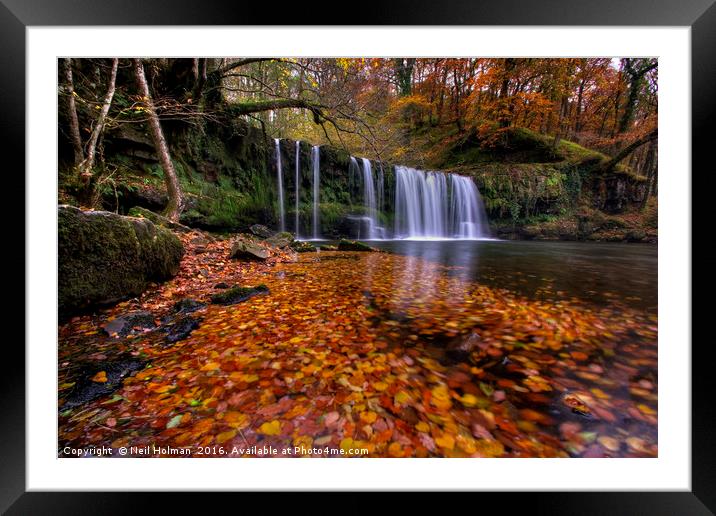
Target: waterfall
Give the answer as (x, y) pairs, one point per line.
(369, 201)
(316, 165)
(467, 211)
(436, 205)
(298, 182)
(279, 173)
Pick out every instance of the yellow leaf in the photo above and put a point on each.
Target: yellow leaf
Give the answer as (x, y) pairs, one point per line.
(225, 436)
(469, 400)
(211, 366)
(380, 386)
(270, 427)
(646, 409)
(236, 420)
(100, 377)
(445, 441)
(422, 427)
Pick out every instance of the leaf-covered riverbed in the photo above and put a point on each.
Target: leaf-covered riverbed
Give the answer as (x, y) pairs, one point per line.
(391, 354)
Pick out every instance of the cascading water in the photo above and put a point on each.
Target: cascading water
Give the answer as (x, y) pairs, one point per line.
(279, 173)
(436, 205)
(467, 211)
(316, 165)
(369, 200)
(298, 182)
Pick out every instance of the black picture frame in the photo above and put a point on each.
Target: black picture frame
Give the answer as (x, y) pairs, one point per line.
(700, 15)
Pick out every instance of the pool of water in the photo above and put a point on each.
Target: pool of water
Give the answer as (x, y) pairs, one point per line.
(603, 273)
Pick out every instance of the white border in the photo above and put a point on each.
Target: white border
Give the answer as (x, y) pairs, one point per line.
(670, 471)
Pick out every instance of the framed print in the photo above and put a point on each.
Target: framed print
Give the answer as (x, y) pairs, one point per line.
(449, 252)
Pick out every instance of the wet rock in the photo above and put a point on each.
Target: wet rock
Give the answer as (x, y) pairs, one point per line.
(261, 231)
(353, 245)
(244, 250)
(236, 295)
(461, 348)
(280, 240)
(188, 305)
(88, 388)
(181, 328)
(327, 247)
(302, 247)
(129, 323)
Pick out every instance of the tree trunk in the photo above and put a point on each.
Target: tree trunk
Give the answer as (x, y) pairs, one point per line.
(72, 113)
(176, 200)
(609, 165)
(88, 163)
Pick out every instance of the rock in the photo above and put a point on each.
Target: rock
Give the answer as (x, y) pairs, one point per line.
(353, 245)
(302, 247)
(159, 220)
(181, 328)
(221, 285)
(280, 240)
(245, 250)
(327, 247)
(238, 294)
(262, 231)
(126, 324)
(104, 258)
(87, 388)
(461, 348)
(188, 305)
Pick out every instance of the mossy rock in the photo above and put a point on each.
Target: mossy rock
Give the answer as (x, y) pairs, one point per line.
(302, 247)
(352, 245)
(105, 258)
(160, 220)
(280, 240)
(238, 294)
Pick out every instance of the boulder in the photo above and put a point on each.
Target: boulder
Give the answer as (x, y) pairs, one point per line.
(302, 247)
(245, 250)
(280, 240)
(129, 323)
(180, 328)
(353, 245)
(104, 258)
(236, 295)
(262, 231)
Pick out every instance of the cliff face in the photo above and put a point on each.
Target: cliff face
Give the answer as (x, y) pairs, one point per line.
(228, 171)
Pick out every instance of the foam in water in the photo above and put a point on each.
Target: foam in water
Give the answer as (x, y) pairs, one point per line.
(279, 173)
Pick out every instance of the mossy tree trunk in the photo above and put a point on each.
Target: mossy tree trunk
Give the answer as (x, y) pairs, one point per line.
(175, 203)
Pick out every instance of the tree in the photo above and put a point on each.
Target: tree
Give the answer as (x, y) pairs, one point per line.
(636, 69)
(72, 112)
(175, 203)
(87, 164)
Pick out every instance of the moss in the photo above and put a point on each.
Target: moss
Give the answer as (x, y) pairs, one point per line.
(238, 294)
(352, 245)
(104, 258)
